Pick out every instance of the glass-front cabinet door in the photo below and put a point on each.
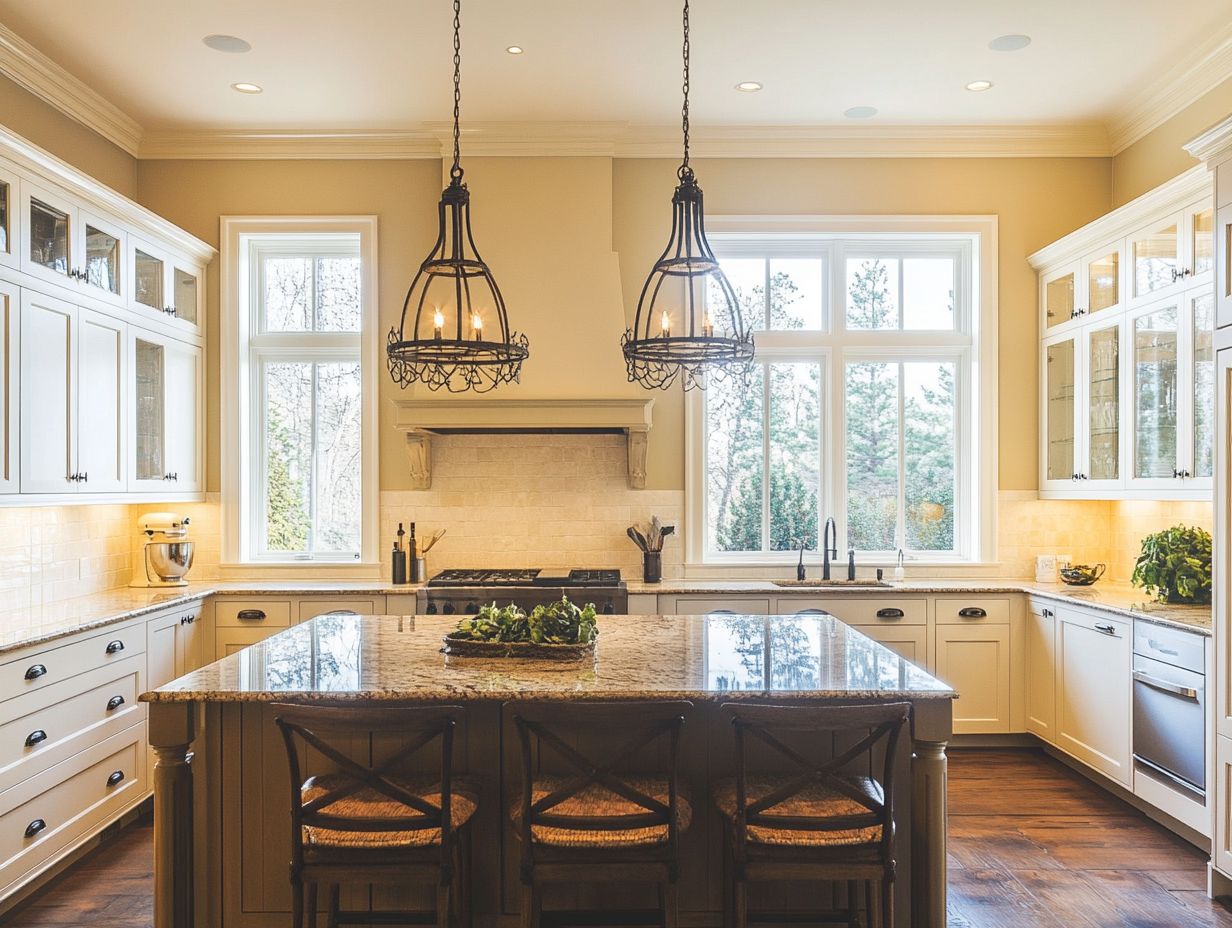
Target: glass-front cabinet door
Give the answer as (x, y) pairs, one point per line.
(1102, 280)
(102, 250)
(9, 199)
(149, 279)
(1059, 296)
(10, 315)
(165, 417)
(1155, 258)
(1101, 414)
(49, 225)
(1155, 385)
(1201, 225)
(149, 466)
(1201, 317)
(185, 292)
(1060, 359)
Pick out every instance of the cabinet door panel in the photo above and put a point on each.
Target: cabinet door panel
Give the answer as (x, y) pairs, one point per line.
(1155, 258)
(1060, 380)
(49, 419)
(1156, 403)
(49, 224)
(908, 641)
(975, 661)
(1093, 692)
(10, 198)
(182, 421)
(101, 369)
(1059, 296)
(1202, 318)
(10, 418)
(1041, 672)
(1101, 406)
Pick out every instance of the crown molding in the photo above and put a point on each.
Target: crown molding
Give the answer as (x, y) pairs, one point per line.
(31, 70)
(270, 144)
(1209, 64)
(1214, 144)
(622, 140)
(1179, 192)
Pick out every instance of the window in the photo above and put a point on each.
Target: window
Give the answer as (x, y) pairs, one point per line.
(867, 402)
(303, 458)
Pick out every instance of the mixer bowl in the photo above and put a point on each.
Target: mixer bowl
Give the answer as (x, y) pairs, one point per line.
(169, 561)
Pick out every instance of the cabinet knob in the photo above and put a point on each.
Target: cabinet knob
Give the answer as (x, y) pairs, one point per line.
(114, 703)
(35, 827)
(1047, 613)
(115, 778)
(35, 737)
(34, 671)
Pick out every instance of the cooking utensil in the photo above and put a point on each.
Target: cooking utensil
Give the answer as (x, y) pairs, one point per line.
(637, 537)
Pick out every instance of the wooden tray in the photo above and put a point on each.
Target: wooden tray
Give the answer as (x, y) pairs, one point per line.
(465, 647)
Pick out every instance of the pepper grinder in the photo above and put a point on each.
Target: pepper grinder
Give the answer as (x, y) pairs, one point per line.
(398, 569)
(416, 573)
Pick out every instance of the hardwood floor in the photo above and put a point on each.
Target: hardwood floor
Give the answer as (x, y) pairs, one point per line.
(1032, 845)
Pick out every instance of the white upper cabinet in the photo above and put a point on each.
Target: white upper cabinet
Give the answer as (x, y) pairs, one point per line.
(10, 339)
(1127, 308)
(101, 341)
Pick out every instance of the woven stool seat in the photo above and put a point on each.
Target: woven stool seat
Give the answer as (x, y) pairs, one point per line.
(597, 800)
(816, 802)
(368, 803)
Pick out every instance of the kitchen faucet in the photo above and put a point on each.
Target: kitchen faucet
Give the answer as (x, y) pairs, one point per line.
(829, 546)
(800, 566)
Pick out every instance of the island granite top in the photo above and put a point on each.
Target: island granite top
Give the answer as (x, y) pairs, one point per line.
(716, 657)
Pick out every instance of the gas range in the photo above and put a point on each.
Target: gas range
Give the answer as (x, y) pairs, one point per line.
(465, 590)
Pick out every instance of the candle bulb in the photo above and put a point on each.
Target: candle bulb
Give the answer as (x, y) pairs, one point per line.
(477, 324)
(438, 322)
(667, 325)
(707, 326)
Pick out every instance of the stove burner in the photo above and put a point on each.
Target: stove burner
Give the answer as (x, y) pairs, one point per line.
(501, 577)
(594, 577)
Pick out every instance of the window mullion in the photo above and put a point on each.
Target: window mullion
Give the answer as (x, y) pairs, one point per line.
(312, 467)
(900, 530)
(765, 456)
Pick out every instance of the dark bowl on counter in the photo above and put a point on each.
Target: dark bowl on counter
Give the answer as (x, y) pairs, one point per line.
(1082, 574)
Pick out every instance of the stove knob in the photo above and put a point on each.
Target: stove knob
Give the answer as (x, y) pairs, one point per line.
(447, 609)
(471, 609)
(608, 608)
(431, 608)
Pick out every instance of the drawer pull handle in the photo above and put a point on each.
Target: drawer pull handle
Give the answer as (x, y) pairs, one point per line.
(34, 671)
(251, 615)
(1105, 628)
(114, 647)
(1165, 686)
(35, 827)
(890, 613)
(114, 703)
(1156, 646)
(972, 612)
(116, 777)
(35, 737)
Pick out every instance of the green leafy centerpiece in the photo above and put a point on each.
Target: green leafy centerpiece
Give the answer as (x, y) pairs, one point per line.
(558, 631)
(1175, 565)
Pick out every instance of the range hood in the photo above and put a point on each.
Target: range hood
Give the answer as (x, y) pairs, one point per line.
(421, 419)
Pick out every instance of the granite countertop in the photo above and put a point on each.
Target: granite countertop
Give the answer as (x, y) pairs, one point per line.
(718, 657)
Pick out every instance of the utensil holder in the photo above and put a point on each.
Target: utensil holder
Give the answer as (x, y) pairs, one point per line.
(652, 566)
(421, 569)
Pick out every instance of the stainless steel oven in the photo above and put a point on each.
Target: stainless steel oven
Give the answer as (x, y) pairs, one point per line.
(1170, 704)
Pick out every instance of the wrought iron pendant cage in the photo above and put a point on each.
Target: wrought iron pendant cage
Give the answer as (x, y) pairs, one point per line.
(459, 337)
(688, 325)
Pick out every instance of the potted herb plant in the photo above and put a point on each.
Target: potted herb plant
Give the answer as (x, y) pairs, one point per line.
(1175, 565)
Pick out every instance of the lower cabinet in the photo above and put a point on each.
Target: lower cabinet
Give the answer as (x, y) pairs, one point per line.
(1041, 680)
(909, 641)
(173, 644)
(240, 622)
(975, 661)
(1093, 658)
(1222, 849)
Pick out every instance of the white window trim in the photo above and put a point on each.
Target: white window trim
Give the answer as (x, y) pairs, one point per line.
(237, 384)
(978, 461)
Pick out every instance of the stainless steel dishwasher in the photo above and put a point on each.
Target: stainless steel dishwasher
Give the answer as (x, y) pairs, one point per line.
(1170, 704)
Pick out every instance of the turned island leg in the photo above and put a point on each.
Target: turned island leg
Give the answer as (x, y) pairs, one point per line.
(933, 728)
(172, 728)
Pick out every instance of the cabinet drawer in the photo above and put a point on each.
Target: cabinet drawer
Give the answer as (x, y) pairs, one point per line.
(37, 669)
(860, 610)
(229, 640)
(701, 605)
(973, 610)
(252, 613)
(64, 719)
(311, 608)
(44, 816)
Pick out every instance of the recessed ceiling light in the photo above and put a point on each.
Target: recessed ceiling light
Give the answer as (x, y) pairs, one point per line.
(748, 86)
(245, 87)
(232, 44)
(515, 49)
(978, 86)
(1009, 43)
(860, 112)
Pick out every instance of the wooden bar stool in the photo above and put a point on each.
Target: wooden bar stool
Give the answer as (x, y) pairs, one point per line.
(609, 818)
(374, 822)
(817, 822)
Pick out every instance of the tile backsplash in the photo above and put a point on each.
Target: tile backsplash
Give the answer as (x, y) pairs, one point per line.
(533, 501)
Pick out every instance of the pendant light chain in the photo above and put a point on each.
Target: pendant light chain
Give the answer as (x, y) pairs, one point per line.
(455, 172)
(685, 170)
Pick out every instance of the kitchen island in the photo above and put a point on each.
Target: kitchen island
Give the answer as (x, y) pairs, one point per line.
(221, 792)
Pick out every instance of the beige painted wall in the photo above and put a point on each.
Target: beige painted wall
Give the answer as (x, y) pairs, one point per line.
(66, 138)
(1159, 156)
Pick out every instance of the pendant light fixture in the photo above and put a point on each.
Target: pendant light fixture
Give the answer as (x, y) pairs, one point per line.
(458, 336)
(688, 321)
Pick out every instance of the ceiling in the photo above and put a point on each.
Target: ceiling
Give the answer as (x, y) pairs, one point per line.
(384, 65)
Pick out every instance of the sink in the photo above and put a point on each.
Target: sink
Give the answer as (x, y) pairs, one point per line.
(850, 584)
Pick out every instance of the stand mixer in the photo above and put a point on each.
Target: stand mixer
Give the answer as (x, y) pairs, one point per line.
(166, 555)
